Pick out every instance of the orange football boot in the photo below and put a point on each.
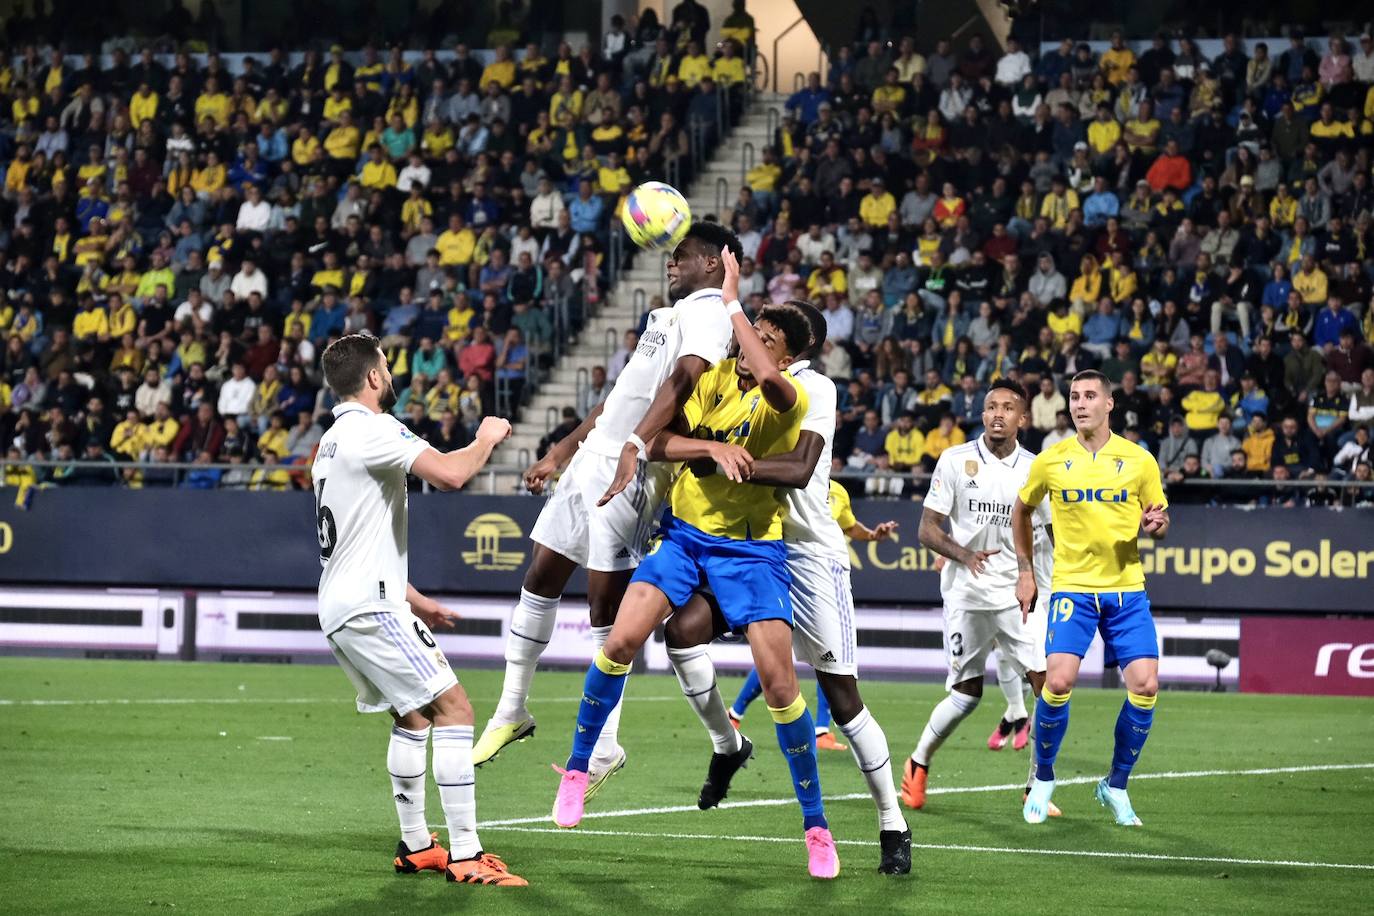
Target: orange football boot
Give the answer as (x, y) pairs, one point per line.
(914, 785)
(432, 858)
(485, 869)
(827, 742)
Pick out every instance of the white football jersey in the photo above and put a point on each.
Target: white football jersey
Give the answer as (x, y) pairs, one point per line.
(808, 526)
(696, 326)
(360, 511)
(977, 491)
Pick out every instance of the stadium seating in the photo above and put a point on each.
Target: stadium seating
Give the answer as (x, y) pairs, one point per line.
(191, 231)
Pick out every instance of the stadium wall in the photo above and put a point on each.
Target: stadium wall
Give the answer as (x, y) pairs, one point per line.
(1216, 560)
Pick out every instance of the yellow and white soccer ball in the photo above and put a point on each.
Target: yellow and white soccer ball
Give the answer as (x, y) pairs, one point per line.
(656, 216)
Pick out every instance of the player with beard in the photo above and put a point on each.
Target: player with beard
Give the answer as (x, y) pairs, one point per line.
(602, 512)
(822, 603)
(377, 624)
(727, 533)
(972, 490)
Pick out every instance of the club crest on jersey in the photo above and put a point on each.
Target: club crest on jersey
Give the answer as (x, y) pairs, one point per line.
(1119, 465)
(971, 468)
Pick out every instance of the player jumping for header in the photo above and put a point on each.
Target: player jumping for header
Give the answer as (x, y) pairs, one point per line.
(1103, 490)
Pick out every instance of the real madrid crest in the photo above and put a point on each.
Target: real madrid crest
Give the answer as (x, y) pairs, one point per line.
(971, 468)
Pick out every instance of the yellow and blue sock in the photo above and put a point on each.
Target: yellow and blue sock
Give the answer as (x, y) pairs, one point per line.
(1132, 728)
(747, 694)
(1051, 722)
(601, 691)
(797, 738)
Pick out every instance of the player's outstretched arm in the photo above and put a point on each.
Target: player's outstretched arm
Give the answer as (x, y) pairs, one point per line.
(734, 461)
(861, 532)
(933, 536)
(1023, 537)
(793, 468)
(435, 615)
(538, 474)
(671, 395)
(452, 470)
(776, 387)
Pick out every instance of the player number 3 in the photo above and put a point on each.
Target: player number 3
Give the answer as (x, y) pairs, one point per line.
(1062, 609)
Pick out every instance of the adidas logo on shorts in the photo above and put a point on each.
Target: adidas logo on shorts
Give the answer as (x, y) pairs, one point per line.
(828, 656)
(623, 553)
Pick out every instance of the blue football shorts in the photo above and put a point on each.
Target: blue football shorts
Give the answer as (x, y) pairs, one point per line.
(748, 578)
(1123, 619)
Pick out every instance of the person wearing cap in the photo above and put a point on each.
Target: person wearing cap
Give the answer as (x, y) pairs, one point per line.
(877, 205)
(339, 72)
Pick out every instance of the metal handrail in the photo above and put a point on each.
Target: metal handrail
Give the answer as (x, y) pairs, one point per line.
(551, 415)
(722, 112)
(798, 82)
(777, 42)
(641, 304)
(582, 381)
(722, 198)
(610, 338)
(772, 122)
(746, 159)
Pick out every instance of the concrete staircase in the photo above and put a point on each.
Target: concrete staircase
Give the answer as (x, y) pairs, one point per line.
(630, 296)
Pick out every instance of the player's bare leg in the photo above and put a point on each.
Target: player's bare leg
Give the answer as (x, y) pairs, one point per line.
(643, 609)
(771, 644)
(958, 705)
(868, 744)
(531, 627)
(687, 634)
(464, 861)
(1132, 728)
(1051, 722)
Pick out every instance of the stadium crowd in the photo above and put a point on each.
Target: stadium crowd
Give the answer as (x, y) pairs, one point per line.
(180, 241)
(181, 238)
(1197, 228)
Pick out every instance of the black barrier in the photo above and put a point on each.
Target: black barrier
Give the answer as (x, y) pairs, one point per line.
(1292, 560)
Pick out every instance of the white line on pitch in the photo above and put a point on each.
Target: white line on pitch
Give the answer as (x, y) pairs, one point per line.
(941, 790)
(236, 701)
(956, 847)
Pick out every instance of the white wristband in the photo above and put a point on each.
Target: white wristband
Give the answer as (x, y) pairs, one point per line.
(637, 443)
(733, 308)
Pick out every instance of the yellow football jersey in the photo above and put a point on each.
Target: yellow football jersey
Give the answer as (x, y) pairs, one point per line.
(841, 510)
(719, 410)
(1096, 501)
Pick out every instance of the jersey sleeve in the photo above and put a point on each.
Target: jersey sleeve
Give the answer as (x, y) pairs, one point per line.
(942, 484)
(390, 445)
(1037, 482)
(700, 399)
(1151, 486)
(841, 510)
(1043, 516)
(820, 412)
(705, 332)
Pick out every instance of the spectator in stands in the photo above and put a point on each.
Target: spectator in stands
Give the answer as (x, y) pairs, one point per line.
(1176, 446)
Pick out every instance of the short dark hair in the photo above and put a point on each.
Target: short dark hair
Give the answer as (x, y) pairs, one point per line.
(819, 329)
(1092, 375)
(348, 360)
(715, 236)
(795, 326)
(1015, 388)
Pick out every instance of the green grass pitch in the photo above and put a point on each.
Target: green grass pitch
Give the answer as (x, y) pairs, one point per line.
(205, 792)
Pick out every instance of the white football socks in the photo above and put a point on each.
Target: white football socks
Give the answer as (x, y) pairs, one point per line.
(1014, 688)
(944, 718)
(453, 774)
(869, 746)
(531, 628)
(697, 676)
(406, 756)
(607, 748)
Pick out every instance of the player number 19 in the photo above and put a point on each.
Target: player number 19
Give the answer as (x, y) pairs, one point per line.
(1062, 609)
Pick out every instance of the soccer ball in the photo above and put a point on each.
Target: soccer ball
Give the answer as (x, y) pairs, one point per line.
(656, 215)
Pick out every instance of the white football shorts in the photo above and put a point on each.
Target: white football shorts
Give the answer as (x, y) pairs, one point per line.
(970, 636)
(610, 538)
(392, 659)
(823, 633)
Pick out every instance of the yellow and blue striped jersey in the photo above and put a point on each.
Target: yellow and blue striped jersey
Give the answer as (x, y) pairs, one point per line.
(719, 410)
(1096, 501)
(841, 510)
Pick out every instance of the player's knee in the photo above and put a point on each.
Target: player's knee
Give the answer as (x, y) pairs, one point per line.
(1148, 687)
(619, 649)
(844, 698)
(1058, 685)
(451, 707)
(973, 687)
